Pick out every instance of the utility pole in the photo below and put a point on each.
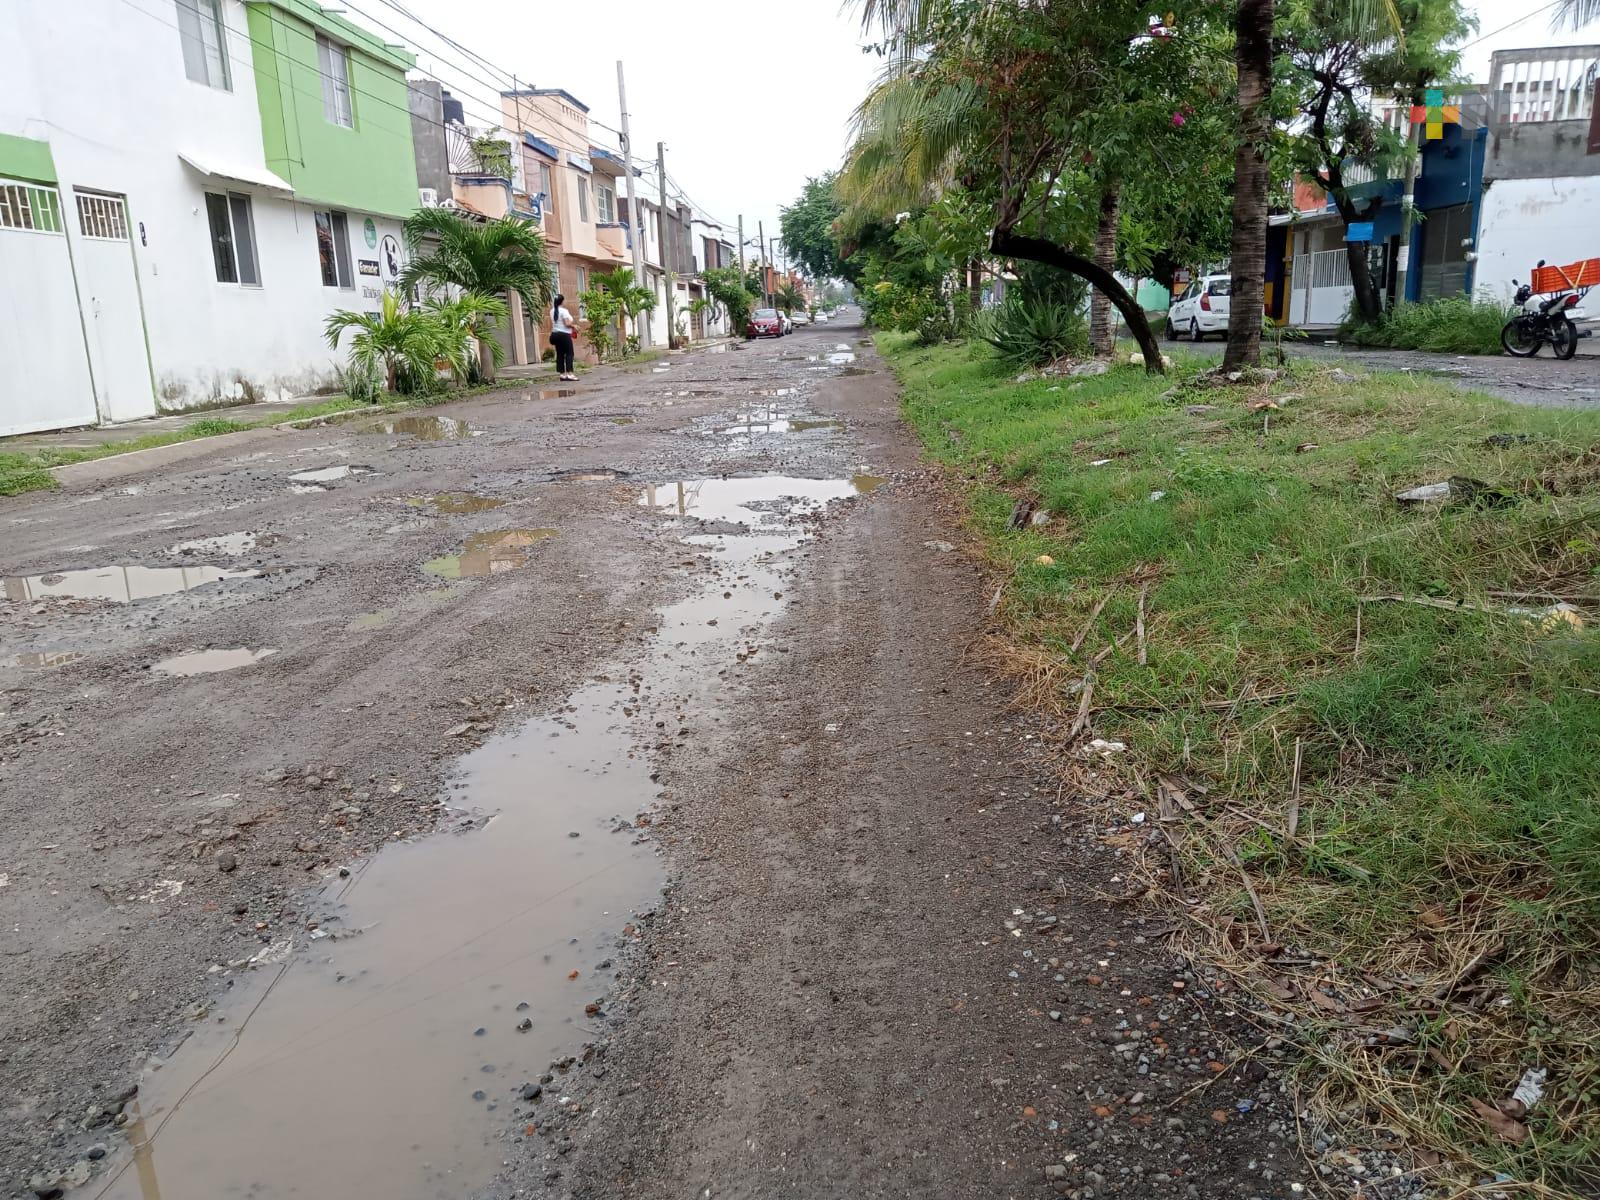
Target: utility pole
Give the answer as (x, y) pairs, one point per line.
(661, 173)
(1407, 214)
(766, 275)
(633, 198)
(741, 249)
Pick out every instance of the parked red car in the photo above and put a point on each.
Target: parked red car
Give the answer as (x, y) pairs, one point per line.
(764, 322)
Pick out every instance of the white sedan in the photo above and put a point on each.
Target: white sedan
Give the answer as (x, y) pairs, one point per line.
(1201, 309)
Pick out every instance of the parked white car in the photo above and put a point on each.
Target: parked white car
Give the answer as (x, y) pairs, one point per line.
(1201, 309)
(822, 318)
(800, 318)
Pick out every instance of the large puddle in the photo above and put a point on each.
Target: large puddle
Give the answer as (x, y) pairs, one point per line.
(395, 1054)
(120, 584)
(208, 662)
(423, 428)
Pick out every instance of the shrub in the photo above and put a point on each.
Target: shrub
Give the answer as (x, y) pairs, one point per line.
(1030, 334)
(1455, 325)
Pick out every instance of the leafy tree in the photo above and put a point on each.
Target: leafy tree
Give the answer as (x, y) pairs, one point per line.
(1336, 67)
(399, 342)
(809, 229)
(470, 315)
(703, 309)
(728, 288)
(504, 255)
(604, 310)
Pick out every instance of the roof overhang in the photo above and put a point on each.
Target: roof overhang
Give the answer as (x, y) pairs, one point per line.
(247, 174)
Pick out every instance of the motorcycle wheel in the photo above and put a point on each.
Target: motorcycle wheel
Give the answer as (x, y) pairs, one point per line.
(1564, 338)
(1519, 341)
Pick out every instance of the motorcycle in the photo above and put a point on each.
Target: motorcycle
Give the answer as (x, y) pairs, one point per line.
(1551, 321)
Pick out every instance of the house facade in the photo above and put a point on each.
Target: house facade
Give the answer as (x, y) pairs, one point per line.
(175, 236)
(1541, 171)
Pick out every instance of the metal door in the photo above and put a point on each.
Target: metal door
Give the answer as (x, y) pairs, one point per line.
(112, 309)
(44, 368)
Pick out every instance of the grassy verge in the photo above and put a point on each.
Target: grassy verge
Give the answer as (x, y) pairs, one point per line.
(1371, 786)
(28, 470)
(1457, 325)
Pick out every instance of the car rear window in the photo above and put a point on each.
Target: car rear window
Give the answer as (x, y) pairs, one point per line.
(1220, 287)
(766, 313)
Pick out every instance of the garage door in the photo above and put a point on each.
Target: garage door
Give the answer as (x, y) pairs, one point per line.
(44, 370)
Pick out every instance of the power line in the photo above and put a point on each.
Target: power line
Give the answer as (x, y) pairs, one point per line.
(1503, 28)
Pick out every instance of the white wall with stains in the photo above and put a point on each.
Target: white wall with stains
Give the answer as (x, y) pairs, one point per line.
(1524, 220)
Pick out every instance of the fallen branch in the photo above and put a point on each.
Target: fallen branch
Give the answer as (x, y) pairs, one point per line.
(1138, 622)
(1089, 624)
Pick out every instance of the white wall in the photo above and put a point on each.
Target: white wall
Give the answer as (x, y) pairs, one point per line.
(1524, 220)
(117, 111)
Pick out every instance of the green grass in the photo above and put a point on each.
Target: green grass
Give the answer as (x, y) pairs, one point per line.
(1457, 325)
(1450, 760)
(28, 470)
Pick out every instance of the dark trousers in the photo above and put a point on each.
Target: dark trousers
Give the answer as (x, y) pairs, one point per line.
(562, 341)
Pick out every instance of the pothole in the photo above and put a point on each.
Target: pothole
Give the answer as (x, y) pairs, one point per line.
(228, 544)
(208, 662)
(331, 474)
(46, 660)
(585, 475)
(119, 583)
(755, 501)
(557, 393)
(490, 553)
(455, 503)
(423, 428)
(841, 358)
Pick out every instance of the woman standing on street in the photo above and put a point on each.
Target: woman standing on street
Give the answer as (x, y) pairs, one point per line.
(562, 329)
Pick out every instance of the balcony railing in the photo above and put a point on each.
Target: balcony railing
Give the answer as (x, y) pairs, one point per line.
(1550, 84)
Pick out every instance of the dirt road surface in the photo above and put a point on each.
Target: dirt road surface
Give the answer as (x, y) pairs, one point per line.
(580, 793)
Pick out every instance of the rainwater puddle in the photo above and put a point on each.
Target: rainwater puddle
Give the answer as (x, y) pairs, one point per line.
(771, 420)
(841, 358)
(455, 503)
(557, 393)
(867, 483)
(424, 428)
(46, 660)
(208, 662)
(120, 584)
(622, 420)
(491, 553)
(228, 544)
(390, 1063)
(329, 474)
(305, 489)
(757, 501)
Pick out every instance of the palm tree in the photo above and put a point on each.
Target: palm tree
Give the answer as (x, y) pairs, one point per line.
(402, 342)
(634, 298)
(470, 315)
(789, 297)
(504, 255)
(1575, 14)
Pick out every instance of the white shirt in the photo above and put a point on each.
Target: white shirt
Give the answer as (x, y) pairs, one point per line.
(564, 320)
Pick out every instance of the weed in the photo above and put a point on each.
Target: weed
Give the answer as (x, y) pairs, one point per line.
(1457, 325)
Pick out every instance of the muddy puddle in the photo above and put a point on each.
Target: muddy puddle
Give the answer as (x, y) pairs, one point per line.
(46, 660)
(227, 545)
(455, 503)
(209, 662)
(329, 474)
(423, 428)
(771, 420)
(557, 393)
(392, 1055)
(489, 553)
(120, 584)
(841, 358)
(757, 501)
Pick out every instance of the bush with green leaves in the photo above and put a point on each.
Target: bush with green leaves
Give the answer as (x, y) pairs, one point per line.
(1033, 333)
(1454, 325)
(603, 308)
(400, 343)
(727, 288)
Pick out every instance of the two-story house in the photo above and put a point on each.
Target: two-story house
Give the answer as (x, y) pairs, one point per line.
(174, 234)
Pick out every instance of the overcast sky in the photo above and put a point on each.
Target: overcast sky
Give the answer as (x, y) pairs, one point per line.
(751, 96)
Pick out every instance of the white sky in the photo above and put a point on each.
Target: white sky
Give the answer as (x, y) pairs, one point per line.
(751, 96)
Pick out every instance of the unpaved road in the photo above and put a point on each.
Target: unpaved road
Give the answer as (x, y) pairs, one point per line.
(742, 880)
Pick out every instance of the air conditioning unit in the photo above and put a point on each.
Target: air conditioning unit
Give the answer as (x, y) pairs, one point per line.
(428, 197)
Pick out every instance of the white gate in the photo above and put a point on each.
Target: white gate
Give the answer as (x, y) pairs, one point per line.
(109, 291)
(44, 373)
(1321, 288)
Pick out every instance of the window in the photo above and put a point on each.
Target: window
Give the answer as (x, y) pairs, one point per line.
(233, 238)
(333, 249)
(102, 217)
(583, 286)
(1220, 287)
(35, 208)
(544, 182)
(205, 44)
(334, 62)
(583, 198)
(606, 200)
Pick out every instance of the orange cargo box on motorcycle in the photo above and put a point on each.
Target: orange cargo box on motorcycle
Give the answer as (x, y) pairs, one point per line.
(1574, 277)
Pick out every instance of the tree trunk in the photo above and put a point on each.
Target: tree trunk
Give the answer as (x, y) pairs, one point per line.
(485, 360)
(1252, 52)
(1015, 245)
(974, 285)
(1102, 321)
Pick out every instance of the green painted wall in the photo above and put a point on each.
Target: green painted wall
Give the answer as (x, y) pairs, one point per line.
(370, 168)
(24, 158)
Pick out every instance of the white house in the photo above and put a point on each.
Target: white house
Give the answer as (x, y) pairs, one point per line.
(182, 209)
